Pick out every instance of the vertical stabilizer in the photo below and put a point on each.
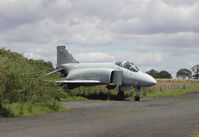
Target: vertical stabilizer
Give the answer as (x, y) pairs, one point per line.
(63, 56)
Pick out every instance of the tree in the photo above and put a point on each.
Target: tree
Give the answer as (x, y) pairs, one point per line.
(164, 74)
(153, 73)
(2, 81)
(195, 69)
(184, 73)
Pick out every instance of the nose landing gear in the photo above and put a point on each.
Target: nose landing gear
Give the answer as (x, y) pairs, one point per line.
(138, 93)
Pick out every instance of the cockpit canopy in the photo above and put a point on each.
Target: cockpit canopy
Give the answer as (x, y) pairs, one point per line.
(128, 65)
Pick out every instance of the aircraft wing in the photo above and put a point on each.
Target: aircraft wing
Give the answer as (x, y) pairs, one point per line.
(79, 81)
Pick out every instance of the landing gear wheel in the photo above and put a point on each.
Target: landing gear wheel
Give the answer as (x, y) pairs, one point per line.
(120, 94)
(136, 98)
(138, 93)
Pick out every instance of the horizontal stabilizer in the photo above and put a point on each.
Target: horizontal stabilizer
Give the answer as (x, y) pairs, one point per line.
(55, 71)
(79, 81)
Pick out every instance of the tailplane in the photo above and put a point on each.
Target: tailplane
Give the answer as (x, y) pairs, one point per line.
(64, 57)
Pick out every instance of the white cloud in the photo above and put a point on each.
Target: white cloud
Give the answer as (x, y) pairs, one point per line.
(141, 58)
(32, 56)
(94, 57)
(155, 32)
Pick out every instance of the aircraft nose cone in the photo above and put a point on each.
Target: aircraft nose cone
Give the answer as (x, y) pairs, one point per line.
(145, 80)
(152, 81)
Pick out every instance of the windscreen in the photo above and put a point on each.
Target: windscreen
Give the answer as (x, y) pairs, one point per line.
(128, 65)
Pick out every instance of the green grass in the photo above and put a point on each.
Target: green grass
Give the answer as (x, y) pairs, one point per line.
(195, 135)
(112, 95)
(172, 92)
(18, 109)
(71, 98)
(164, 87)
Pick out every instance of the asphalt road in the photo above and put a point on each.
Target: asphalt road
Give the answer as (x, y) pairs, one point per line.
(151, 117)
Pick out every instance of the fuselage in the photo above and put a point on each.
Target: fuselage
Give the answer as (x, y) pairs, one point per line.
(102, 72)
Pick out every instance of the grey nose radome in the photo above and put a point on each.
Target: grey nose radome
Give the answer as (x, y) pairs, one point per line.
(151, 81)
(145, 80)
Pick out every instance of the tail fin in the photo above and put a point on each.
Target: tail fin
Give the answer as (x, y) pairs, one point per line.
(63, 56)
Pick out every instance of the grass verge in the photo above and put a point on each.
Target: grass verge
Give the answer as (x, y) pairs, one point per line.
(146, 92)
(195, 135)
(73, 98)
(164, 87)
(18, 109)
(172, 92)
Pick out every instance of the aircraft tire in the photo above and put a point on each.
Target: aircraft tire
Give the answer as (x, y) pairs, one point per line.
(136, 98)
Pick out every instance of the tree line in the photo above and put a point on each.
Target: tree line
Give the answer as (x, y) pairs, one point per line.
(22, 80)
(181, 73)
(159, 75)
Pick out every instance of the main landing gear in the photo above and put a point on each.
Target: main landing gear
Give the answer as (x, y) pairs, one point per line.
(138, 93)
(66, 89)
(120, 93)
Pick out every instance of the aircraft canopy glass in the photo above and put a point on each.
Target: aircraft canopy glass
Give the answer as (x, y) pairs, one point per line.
(128, 65)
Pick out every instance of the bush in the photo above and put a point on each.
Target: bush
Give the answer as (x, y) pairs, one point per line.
(22, 80)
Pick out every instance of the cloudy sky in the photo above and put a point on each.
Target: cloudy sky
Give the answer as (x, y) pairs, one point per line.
(159, 34)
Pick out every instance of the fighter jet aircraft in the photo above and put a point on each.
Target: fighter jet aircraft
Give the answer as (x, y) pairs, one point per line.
(123, 74)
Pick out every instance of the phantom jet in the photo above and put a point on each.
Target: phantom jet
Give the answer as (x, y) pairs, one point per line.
(123, 74)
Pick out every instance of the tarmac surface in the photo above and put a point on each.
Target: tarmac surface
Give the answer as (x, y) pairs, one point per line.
(151, 117)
